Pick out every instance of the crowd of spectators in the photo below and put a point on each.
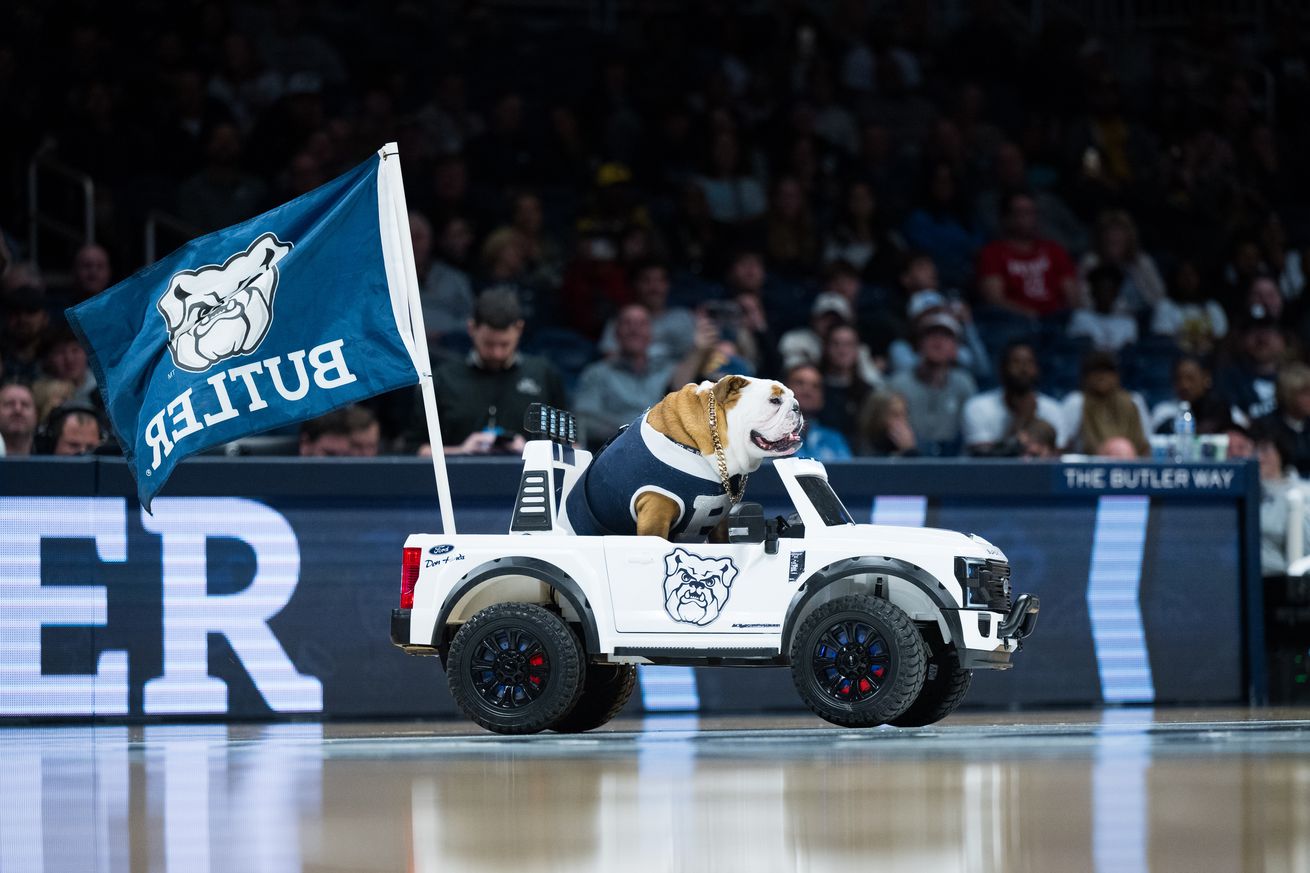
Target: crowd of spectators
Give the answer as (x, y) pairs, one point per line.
(948, 237)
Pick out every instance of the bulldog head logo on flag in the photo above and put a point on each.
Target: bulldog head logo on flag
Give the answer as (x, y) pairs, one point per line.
(218, 311)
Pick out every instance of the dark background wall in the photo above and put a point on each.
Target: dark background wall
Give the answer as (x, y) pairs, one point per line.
(1177, 546)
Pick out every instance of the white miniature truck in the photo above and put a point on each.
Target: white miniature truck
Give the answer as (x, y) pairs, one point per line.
(542, 629)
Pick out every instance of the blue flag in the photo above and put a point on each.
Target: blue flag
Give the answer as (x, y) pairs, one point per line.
(272, 321)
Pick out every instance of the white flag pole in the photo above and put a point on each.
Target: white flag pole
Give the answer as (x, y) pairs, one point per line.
(391, 190)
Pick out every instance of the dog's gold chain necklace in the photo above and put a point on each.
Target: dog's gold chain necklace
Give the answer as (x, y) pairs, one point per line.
(722, 460)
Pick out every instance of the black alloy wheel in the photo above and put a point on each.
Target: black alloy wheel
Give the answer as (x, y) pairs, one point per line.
(850, 661)
(510, 668)
(858, 661)
(515, 668)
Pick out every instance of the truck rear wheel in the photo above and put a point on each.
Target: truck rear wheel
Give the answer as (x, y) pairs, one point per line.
(607, 688)
(858, 661)
(515, 668)
(944, 686)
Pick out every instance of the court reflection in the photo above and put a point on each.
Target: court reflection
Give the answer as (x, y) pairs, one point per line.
(1121, 793)
(667, 812)
(1118, 799)
(157, 798)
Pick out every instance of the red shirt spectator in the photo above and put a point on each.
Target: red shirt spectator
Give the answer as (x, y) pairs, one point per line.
(1022, 273)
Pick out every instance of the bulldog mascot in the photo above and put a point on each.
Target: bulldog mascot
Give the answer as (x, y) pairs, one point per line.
(676, 471)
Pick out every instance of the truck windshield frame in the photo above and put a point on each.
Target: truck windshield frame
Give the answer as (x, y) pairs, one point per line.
(824, 500)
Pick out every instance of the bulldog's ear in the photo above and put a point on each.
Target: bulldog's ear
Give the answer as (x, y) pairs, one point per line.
(173, 306)
(727, 571)
(728, 389)
(673, 560)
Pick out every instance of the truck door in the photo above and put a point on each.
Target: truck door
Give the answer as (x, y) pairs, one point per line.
(662, 587)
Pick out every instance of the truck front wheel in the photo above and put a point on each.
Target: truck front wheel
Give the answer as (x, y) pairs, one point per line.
(515, 668)
(944, 685)
(858, 661)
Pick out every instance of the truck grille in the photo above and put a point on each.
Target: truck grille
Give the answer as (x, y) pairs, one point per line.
(993, 590)
(986, 583)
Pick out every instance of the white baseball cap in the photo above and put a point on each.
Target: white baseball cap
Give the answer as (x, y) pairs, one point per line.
(831, 301)
(924, 301)
(938, 319)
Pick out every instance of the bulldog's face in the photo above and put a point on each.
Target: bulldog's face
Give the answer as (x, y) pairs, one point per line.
(762, 415)
(696, 589)
(218, 312)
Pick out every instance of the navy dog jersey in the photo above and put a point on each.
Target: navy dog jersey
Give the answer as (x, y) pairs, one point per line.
(603, 502)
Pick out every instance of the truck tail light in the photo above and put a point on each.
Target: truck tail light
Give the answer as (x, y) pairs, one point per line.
(409, 565)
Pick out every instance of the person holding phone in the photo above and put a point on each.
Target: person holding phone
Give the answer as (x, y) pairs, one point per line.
(483, 398)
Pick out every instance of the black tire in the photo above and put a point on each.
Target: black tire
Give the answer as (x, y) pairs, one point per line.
(606, 690)
(858, 661)
(944, 685)
(515, 668)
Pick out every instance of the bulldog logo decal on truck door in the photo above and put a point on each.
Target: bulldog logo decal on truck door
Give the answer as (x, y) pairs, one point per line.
(696, 588)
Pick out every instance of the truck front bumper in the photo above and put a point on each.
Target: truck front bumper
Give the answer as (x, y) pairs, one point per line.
(1022, 620)
(985, 640)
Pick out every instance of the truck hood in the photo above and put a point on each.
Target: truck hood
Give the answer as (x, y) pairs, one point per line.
(874, 536)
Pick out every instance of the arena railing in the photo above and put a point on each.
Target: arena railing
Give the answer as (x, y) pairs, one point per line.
(45, 164)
